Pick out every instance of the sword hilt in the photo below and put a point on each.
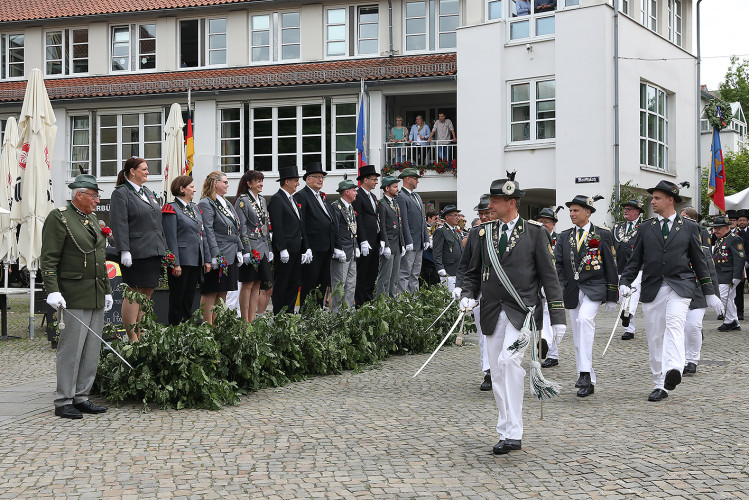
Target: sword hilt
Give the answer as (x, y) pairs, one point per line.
(60, 321)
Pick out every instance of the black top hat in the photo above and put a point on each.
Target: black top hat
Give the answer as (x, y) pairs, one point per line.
(291, 172)
(732, 214)
(720, 220)
(549, 213)
(670, 189)
(366, 171)
(483, 203)
(313, 168)
(449, 209)
(508, 187)
(742, 213)
(584, 201)
(634, 203)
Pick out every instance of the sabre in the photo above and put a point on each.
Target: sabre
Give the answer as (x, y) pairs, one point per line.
(460, 317)
(442, 314)
(625, 301)
(61, 326)
(725, 305)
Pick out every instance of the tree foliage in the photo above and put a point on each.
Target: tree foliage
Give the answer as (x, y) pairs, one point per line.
(737, 176)
(736, 85)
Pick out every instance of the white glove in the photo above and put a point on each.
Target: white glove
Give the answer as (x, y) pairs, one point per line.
(365, 248)
(357, 252)
(559, 331)
(307, 257)
(466, 303)
(240, 260)
(214, 263)
(270, 256)
(126, 259)
(403, 251)
(713, 302)
(456, 292)
(55, 300)
(624, 290)
(284, 256)
(427, 245)
(339, 254)
(387, 253)
(246, 258)
(442, 273)
(736, 282)
(108, 302)
(382, 245)
(611, 307)
(410, 247)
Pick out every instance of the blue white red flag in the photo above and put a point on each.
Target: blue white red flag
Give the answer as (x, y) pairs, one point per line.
(361, 140)
(717, 173)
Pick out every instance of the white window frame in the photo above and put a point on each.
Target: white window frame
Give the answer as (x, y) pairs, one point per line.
(219, 136)
(359, 24)
(676, 21)
(488, 7)
(275, 37)
(72, 169)
(134, 53)
(345, 39)
(624, 7)
(649, 14)
(271, 56)
(119, 113)
(335, 102)
(67, 46)
(204, 41)
(533, 21)
(281, 33)
(533, 111)
(645, 113)
(5, 56)
(431, 31)
(207, 46)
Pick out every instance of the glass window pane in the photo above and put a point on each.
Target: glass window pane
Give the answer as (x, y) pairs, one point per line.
(121, 34)
(152, 134)
(260, 54)
(336, 48)
(416, 42)
(545, 110)
(652, 153)
(290, 52)
(643, 151)
(311, 144)
(546, 130)
(521, 132)
(217, 42)
(154, 165)
(54, 68)
(545, 26)
(263, 146)
(108, 168)
(54, 38)
(448, 7)
(368, 47)
(108, 152)
(286, 145)
(448, 40)
(311, 110)
(230, 147)
(519, 29)
(651, 99)
(449, 23)
(228, 114)
(312, 127)
(643, 124)
(661, 103)
(152, 150)
(521, 112)
(570, 3)
(108, 120)
(147, 31)
(520, 92)
(287, 112)
(291, 36)
(643, 98)
(346, 109)
(260, 22)
(368, 15)
(651, 126)
(290, 19)
(545, 90)
(368, 31)
(286, 127)
(336, 16)
(415, 9)
(262, 113)
(417, 25)
(80, 51)
(345, 123)
(345, 142)
(129, 150)
(217, 25)
(495, 9)
(336, 32)
(661, 156)
(80, 36)
(80, 122)
(148, 118)
(108, 135)
(230, 129)
(217, 57)
(263, 128)
(80, 136)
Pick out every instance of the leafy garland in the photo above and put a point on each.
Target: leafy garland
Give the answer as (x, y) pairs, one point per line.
(711, 112)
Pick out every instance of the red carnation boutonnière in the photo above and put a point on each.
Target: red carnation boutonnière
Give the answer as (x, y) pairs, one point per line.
(106, 231)
(299, 205)
(595, 242)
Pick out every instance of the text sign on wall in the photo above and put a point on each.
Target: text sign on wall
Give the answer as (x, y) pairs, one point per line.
(587, 180)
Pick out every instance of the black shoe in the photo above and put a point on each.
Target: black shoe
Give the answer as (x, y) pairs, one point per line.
(741, 317)
(508, 445)
(691, 368)
(657, 395)
(584, 380)
(586, 391)
(628, 335)
(544, 348)
(486, 385)
(580, 382)
(728, 327)
(735, 326)
(498, 447)
(673, 378)
(720, 317)
(89, 407)
(549, 362)
(67, 411)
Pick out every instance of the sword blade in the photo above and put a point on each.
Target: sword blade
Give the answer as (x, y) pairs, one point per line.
(625, 301)
(460, 317)
(99, 337)
(442, 314)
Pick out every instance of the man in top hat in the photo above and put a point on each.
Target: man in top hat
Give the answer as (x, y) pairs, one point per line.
(346, 251)
(319, 230)
(733, 217)
(393, 235)
(448, 246)
(73, 265)
(548, 218)
(368, 225)
(289, 241)
(625, 233)
(472, 242)
(586, 263)
(414, 223)
(729, 257)
(523, 250)
(742, 232)
(668, 251)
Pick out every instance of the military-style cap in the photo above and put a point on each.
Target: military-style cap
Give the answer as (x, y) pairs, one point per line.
(291, 172)
(346, 184)
(449, 209)
(366, 171)
(721, 220)
(387, 180)
(313, 168)
(409, 172)
(584, 201)
(670, 189)
(508, 187)
(634, 203)
(483, 203)
(549, 213)
(84, 181)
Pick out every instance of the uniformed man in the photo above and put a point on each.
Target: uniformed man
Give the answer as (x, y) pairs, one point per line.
(585, 260)
(548, 217)
(729, 257)
(523, 249)
(743, 232)
(472, 241)
(346, 251)
(394, 236)
(624, 240)
(668, 250)
(73, 264)
(448, 247)
(415, 224)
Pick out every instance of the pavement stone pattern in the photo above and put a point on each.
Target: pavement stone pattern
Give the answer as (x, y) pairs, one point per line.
(382, 434)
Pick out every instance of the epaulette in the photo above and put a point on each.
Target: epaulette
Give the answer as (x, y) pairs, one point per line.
(649, 219)
(534, 222)
(168, 209)
(62, 209)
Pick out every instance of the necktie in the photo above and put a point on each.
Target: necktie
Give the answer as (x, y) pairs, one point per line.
(503, 241)
(293, 205)
(664, 229)
(142, 194)
(580, 233)
(322, 204)
(629, 227)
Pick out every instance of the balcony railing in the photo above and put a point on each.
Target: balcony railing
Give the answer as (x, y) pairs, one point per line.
(419, 155)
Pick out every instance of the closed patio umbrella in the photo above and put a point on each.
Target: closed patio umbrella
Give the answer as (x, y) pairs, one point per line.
(174, 146)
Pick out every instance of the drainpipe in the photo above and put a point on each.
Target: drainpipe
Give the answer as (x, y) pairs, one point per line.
(617, 192)
(698, 183)
(390, 26)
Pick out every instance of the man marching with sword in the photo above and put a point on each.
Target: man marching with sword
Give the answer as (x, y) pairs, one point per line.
(508, 267)
(448, 247)
(729, 257)
(75, 276)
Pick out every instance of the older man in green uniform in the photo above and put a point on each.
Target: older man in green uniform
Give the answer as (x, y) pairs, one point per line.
(75, 276)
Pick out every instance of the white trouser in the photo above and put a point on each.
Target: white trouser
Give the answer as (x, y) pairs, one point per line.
(728, 296)
(232, 300)
(633, 301)
(583, 332)
(507, 378)
(448, 281)
(693, 335)
(483, 352)
(547, 333)
(665, 318)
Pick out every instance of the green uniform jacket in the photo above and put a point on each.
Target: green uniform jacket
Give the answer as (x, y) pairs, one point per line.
(73, 260)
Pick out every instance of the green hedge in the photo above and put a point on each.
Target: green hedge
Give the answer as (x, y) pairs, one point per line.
(191, 366)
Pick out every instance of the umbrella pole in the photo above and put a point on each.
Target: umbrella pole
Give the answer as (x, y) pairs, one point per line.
(6, 273)
(32, 285)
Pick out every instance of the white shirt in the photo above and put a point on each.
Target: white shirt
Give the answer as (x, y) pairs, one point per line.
(670, 221)
(293, 203)
(369, 195)
(578, 239)
(322, 203)
(224, 204)
(138, 191)
(510, 226)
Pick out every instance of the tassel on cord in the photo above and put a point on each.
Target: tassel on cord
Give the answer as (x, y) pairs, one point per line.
(539, 386)
(522, 342)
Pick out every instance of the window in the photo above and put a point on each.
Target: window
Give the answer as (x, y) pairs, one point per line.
(134, 47)
(194, 51)
(66, 52)
(344, 135)
(231, 139)
(531, 18)
(738, 123)
(493, 9)
(653, 127)
(285, 135)
(649, 14)
(368, 30)
(335, 32)
(674, 21)
(133, 134)
(532, 111)
(12, 56)
(624, 6)
(275, 37)
(431, 24)
(80, 145)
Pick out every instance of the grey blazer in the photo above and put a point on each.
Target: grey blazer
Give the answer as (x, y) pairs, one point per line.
(414, 219)
(448, 249)
(254, 232)
(136, 223)
(346, 235)
(391, 225)
(699, 301)
(221, 231)
(185, 235)
(729, 258)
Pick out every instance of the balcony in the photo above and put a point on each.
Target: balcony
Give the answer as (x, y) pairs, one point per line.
(437, 156)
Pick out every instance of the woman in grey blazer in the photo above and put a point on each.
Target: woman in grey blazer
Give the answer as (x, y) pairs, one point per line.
(254, 228)
(222, 232)
(185, 236)
(135, 219)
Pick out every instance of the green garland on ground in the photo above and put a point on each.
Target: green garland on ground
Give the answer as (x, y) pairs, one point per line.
(711, 112)
(190, 366)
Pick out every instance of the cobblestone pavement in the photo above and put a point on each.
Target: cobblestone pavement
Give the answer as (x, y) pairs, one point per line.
(381, 434)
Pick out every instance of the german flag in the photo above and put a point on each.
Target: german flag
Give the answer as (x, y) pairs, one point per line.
(189, 144)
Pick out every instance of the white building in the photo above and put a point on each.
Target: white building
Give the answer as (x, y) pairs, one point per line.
(276, 83)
